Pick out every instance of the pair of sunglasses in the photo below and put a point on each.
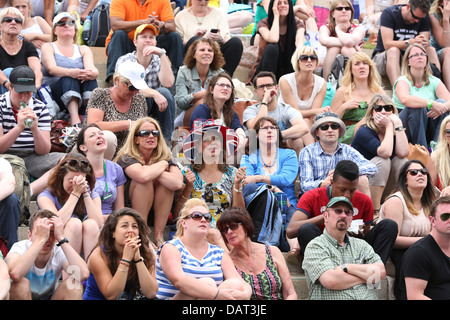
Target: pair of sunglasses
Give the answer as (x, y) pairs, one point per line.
(233, 226)
(387, 108)
(343, 8)
(445, 216)
(146, 133)
(305, 57)
(414, 172)
(197, 216)
(70, 23)
(78, 164)
(339, 211)
(11, 19)
(333, 126)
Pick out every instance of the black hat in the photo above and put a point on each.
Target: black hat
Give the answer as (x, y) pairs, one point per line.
(23, 79)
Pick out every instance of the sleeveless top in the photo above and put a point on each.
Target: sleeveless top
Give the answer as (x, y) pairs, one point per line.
(303, 104)
(266, 285)
(209, 266)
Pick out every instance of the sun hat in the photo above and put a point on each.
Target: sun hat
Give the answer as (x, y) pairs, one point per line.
(325, 117)
(134, 72)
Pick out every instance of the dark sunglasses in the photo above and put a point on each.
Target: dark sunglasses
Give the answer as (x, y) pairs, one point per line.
(197, 216)
(305, 57)
(413, 15)
(333, 126)
(146, 133)
(387, 108)
(445, 216)
(11, 19)
(70, 23)
(414, 172)
(343, 8)
(78, 164)
(233, 226)
(447, 132)
(339, 211)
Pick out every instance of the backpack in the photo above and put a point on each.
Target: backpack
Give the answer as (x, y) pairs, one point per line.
(337, 71)
(22, 189)
(100, 26)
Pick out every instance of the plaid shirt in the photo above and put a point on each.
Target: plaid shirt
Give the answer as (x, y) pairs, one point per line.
(315, 164)
(324, 253)
(151, 72)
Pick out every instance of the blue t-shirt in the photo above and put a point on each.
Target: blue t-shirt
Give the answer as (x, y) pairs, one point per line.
(366, 141)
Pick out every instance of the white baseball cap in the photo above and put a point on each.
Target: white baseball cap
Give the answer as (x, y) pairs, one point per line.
(61, 16)
(134, 72)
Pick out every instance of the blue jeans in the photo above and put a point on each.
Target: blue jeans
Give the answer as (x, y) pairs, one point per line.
(165, 118)
(9, 218)
(67, 88)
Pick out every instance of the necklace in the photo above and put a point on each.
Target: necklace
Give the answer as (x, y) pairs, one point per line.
(199, 22)
(273, 162)
(11, 51)
(253, 263)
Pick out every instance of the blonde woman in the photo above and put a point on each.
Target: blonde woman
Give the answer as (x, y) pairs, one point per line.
(146, 161)
(188, 267)
(359, 84)
(441, 159)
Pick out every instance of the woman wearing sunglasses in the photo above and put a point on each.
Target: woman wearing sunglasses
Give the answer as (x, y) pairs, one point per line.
(423, 98)
(383, 141)
(441, 159)
(359, 84)
(152, 177)
(410, 208)
(69, 195)
(340, 35)
(262, 266)
(69, 68)
(190, 268)
(304, 90)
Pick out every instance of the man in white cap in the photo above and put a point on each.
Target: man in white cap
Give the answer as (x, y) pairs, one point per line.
(158, 76)
(318, 160)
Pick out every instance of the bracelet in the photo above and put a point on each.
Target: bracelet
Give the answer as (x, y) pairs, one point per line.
(138, 260)
(5, 82)
(75, 195)
(129, 121)
(182, 195)
(65, 240)
(86, 194)
(429, 104)
(264, 103)
(217, 294)
(237, 190)
(126, 261)
(120, 269)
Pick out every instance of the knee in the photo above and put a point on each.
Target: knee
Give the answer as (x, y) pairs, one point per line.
(272, 49)
(393, 53)
(388, 226)
(166, 94)
(73, 226)
(308, 231)
(90, 226)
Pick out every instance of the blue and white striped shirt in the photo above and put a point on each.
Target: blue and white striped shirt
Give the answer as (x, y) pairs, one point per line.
(209, 266)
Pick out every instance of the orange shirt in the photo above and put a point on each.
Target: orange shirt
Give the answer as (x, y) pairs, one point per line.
(132, 10)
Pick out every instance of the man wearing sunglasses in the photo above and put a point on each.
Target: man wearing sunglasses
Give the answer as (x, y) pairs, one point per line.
(426, 265)
(400, 26)
(158, 76)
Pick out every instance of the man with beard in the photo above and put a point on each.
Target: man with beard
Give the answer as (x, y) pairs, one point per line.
(339, 267)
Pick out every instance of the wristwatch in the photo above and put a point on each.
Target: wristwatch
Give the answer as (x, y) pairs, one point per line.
(344, 267)
(163, 52)
(399, 128)
(407, 43)
(62, 242)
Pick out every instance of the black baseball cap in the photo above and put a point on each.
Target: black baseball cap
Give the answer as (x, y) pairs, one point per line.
(23, 79)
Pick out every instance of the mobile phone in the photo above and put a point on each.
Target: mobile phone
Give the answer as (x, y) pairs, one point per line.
(214, 30)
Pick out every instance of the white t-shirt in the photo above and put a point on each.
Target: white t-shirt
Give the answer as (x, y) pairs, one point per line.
(283, 114)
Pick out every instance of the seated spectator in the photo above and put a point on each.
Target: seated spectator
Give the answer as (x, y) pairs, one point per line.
(340, 35)
(158, 76)
(209, 175)
(152, 177)
(9, 205)
(359, 84)
(280, 33)
(122, 265)
(262, 266)
(69, 68)
(202, 61)
(417, 92)
(426, 267)
(330, 279)
(34, 29)
(69, 196)
(30, 141)
(188, 267)
(117, 108)
(441, 159)
(440, 39)
(15, 52)
(383, 141)
(289, 120)
(199, 20)
(109, 176)
(410, 208)
(36, 264)
(317, 161)
(304, 90)
(308, 221)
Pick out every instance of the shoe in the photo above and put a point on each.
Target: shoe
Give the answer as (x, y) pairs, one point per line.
(293, 256)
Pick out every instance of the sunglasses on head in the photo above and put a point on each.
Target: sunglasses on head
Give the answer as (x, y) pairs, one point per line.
(70, 23)
(233, 226)
(197, 216)
(387, 108)
(11, 19)
(305, 57)
(445, 216)
(414, 172)
(78, 164)
(146, 133)
(343, 8)
(333, 126)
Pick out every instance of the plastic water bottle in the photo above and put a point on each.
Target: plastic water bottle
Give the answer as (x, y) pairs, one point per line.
(86, 28)
(28, 122)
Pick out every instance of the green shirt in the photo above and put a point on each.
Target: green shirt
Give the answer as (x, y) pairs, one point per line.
(427, 91)
(324, 253)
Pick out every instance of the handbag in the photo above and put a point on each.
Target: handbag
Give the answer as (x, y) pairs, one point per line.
(57, 134)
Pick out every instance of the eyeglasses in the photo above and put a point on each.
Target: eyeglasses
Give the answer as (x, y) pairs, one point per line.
(268, 86)
(343, 8)
(233, 226)
(339, 211)
(130, 86)
(422, 54)
(414, 172)
(333, 126)
(304, 57)
(269, 127)
(444, 217)
(76, 164)
(197, 216)
(70, 23)
(11, 19)
(146, 133)
(225, 86)
(413, 15)
(387, 108)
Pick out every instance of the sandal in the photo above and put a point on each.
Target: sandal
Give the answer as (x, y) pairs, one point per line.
(293, 256)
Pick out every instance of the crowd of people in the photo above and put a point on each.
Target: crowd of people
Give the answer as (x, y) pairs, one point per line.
(352, 182)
